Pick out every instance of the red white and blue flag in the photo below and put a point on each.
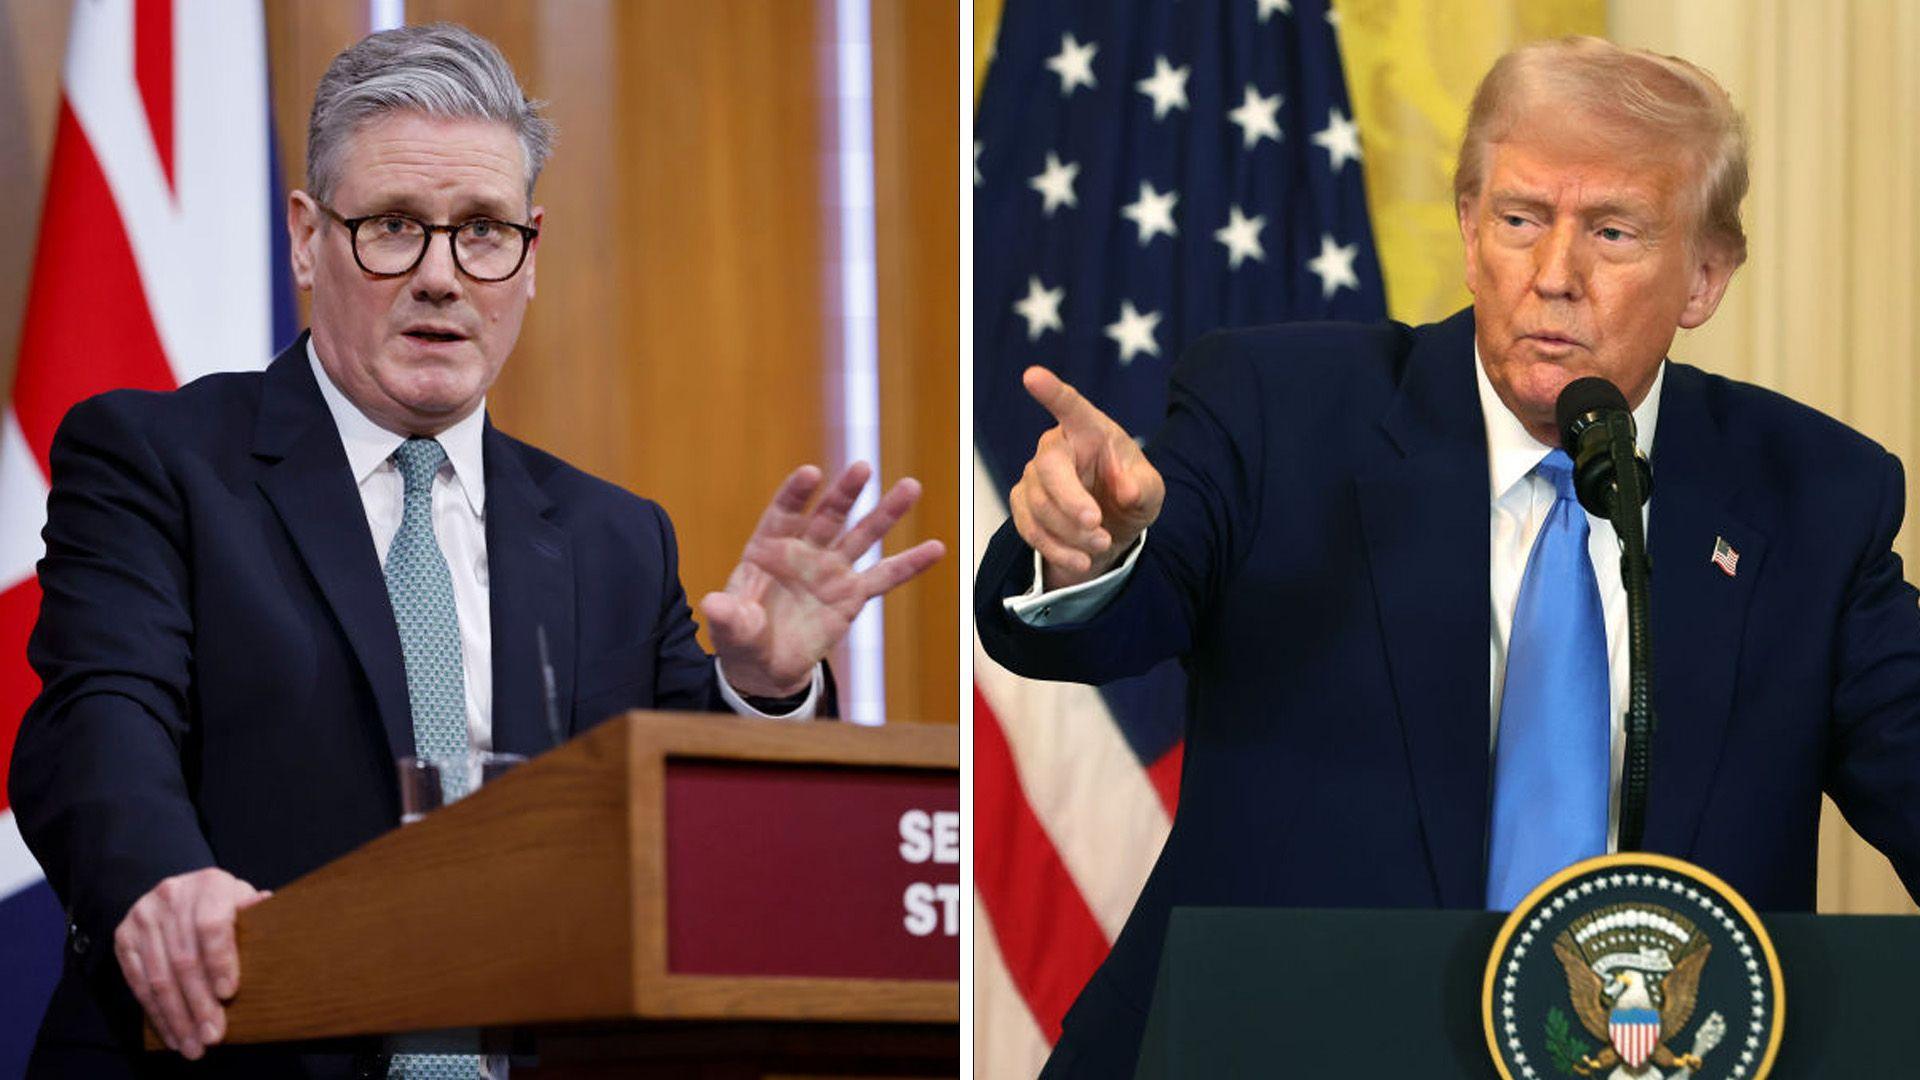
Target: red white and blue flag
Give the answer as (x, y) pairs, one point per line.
(160, 258)
(1146, 171)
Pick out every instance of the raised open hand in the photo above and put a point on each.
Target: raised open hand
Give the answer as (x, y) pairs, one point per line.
(795, 591)
(1088, 491)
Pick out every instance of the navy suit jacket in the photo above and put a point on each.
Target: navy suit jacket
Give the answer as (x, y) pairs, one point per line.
(223, 682)
(1321, 566)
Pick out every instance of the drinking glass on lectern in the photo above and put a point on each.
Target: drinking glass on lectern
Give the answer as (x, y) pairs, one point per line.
(429, 782)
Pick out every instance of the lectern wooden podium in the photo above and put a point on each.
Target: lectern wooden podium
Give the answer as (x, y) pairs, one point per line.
(731, 894)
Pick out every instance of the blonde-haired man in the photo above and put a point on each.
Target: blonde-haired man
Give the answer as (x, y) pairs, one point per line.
(1406, 642)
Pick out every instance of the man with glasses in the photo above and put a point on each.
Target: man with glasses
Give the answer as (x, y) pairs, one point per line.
(263, 588)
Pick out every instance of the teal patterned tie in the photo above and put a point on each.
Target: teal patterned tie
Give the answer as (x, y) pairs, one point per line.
(421, 589)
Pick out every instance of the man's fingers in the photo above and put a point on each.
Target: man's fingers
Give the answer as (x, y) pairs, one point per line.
(786, 513)
(1060, 482)
(830, 516)
(900, 567)
(134, 969)
(733, 622)
(184, 926)
(165, 1006)
(1068, 406)
(219, 953)
(870, 529)
(1066, 528)
(1051, 549)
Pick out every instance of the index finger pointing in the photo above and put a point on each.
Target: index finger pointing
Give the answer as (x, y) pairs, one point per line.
(1069, 406)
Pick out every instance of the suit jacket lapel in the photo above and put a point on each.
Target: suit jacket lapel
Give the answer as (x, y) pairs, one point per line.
(1699, 611)
(530, 570)
(1427, 530)
(311, 488)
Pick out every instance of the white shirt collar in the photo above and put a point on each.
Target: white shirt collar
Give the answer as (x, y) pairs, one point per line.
(1512, 451)
(368, 445)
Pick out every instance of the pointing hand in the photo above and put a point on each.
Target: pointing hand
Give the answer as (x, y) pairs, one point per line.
(1088, 492)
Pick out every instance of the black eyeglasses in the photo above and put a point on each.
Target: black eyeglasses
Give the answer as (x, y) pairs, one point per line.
(390, 245)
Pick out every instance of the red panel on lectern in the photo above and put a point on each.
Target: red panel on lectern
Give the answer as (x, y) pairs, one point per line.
(820, 870)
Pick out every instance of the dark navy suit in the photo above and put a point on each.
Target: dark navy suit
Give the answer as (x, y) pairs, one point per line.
(223, 678)
(1321, 569)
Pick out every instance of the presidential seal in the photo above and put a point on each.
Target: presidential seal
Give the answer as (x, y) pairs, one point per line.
(1633, 967)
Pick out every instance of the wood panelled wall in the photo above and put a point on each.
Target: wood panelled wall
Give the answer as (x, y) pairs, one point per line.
(916, 135)
(680, 342)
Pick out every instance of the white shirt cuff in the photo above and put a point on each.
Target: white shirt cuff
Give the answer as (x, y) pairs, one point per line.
(1074, 603)
(806, 710)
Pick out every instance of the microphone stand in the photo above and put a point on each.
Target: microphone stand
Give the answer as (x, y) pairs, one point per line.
(1635, 573)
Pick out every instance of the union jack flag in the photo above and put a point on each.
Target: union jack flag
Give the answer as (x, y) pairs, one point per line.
(160, 259)
(1146, 171)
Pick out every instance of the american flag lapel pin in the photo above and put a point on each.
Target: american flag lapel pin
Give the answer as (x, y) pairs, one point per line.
(1724, 556)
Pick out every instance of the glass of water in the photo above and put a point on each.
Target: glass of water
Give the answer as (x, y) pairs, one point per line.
(428, 783)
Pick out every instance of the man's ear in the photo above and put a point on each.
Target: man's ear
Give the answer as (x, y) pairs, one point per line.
(1710, 275)
(1467, 208)
(304, 230)
(535, 219)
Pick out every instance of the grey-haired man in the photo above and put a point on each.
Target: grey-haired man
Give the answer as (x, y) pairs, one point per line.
(263, 587)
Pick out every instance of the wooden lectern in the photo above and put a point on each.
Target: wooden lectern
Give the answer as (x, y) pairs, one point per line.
(666, 892)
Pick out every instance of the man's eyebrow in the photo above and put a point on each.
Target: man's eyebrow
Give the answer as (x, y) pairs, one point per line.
(406, 203)
(1633, 209)
(1637, 209)
(1524, 199)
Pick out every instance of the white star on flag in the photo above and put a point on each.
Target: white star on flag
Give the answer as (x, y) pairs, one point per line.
(1256, 117)
(1167, 87)
(1074, 64)
(1334, 264)
(1341, 137)
(1133, 332)
(1241, 234)
(1268, 7)
(1041, 308)
(1152, 212)
(1055, 184)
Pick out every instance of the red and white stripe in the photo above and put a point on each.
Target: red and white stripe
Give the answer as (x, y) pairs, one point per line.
(154, 264)
(1634, 1041)
(1066, 826)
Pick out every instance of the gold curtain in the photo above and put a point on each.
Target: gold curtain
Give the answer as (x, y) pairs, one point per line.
(1411, 69)
(1825, 309)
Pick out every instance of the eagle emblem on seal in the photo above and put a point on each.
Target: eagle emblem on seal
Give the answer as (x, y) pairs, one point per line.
(1633, 973)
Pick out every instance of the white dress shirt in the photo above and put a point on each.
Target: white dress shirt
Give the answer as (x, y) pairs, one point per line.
(1520, 502)
(460, 525)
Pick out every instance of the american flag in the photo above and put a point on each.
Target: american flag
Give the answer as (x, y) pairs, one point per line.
(1145, 171)
(1724, 557)
(160, 258)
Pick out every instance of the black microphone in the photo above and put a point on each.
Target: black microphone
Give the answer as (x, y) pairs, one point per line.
(1593, 418)
(1613, 480)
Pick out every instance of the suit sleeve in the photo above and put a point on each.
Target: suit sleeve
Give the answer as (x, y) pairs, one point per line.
(97, 782)
(1873, 771)
(683, 675)
(1209, 453)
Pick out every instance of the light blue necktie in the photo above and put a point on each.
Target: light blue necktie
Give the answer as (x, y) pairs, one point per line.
(421, 589)
(1552, 759)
